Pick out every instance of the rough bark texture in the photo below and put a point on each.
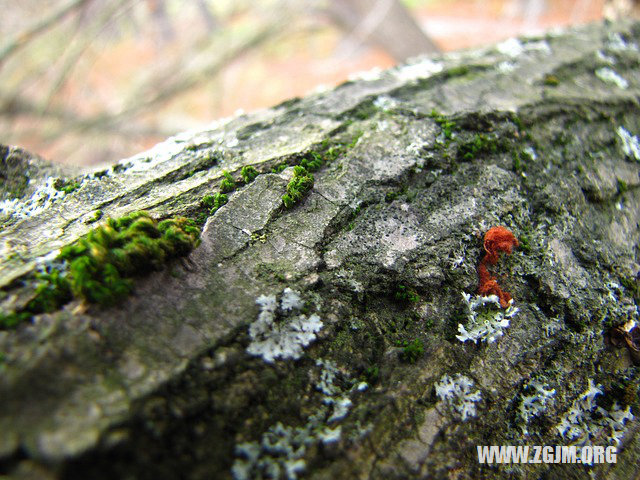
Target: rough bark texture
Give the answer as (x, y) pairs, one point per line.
(418, 162)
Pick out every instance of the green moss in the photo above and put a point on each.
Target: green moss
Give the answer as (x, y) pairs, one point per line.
(479, 144)
(343, 341)
(354, 139)
(459, 71)
(518, 161)
(622, 186)
(102, 262)
(524, 243)
(119, 167)
(391, 196)
(406, 294)
(411, 351)
(372, 374)
(351, 217)
(248, 173)
(279, 167)
(52, 291)
(97, 215)
(298, 187)
(10, 320)
(551, 80)
(445, 124)
(271, 271)
(327, 153)
(201, 218)
(313, 161)
(632, 285)
(207, 201)
(101, 265)
(219, 199)
(228, 184)
(364, 111)
(623, 391)
(66, 186)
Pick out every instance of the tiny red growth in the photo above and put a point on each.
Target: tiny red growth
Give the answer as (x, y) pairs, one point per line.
(496, 240)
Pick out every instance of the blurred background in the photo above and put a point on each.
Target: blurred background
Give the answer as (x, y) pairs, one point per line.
(89, 82)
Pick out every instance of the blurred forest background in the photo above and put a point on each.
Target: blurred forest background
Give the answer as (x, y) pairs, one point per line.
(88, 82)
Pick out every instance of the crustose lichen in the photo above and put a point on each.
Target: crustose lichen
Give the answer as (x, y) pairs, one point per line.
(455, 392)
(485, 324)
(282, 331)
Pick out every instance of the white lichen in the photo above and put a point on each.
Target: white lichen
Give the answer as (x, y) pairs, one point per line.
(330, 435)
(605, 58)
(385, 102)
(328, 376)
(290, 300)
(617, 43)
(630, 143)
(414, 148)
(341, 407)
(585, 420)
(456, 392)
(332, 394)
(609, 75)
(531, 152)
(282, 332)
(50, 261)
(366, 76)
(506, 67)
(535, 403)
(40, 200)
(538, 46)
(484, 322)
(278, 455)
(424, 68)
(280, 451)
(511, 47)
(554, 326)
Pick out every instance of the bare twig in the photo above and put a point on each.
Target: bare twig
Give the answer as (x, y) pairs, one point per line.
(12, 105)
(24, 37)
(185, 83)
(387, 23)
(76, 51)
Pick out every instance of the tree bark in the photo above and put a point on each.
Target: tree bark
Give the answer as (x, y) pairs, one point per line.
(341, 337)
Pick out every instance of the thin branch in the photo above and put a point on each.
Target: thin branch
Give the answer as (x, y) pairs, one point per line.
(11, 105)
(88, 36)
(14, 107)
(24, 37)
(203, 75)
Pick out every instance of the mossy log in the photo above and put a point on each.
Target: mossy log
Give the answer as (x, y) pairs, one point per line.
(327, 323)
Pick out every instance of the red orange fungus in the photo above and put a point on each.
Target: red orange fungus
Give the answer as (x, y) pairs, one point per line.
(496, 240)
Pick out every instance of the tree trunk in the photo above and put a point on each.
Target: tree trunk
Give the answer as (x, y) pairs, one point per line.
(336, 333)
(385, 23)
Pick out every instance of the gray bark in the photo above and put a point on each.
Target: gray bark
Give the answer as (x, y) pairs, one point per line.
(176, 382)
